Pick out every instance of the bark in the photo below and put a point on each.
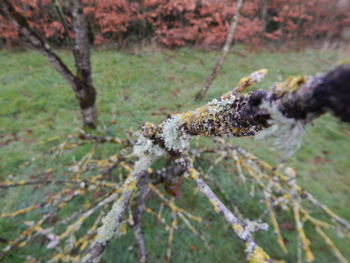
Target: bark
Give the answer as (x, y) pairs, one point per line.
(224, 53)
(86, 93)
(81, 82)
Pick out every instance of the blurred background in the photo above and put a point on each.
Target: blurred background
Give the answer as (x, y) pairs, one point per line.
(195, 23)
(149, 59)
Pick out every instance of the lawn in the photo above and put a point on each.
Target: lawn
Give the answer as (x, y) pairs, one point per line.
(38, 110)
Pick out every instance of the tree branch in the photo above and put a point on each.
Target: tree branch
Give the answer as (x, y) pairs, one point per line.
(63, 20)
(242, 229)
(36, 41)
(113, 220)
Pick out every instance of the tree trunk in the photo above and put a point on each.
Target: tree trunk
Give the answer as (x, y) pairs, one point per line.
(264, 16)
(86, 92)
(86, 96)
(224, 53)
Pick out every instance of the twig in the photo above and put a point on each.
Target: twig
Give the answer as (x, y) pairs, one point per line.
(242, 230)
(331, 245)
(30, 232)
(63, 20)
(99, 139)
(171, 236)
(303, 240)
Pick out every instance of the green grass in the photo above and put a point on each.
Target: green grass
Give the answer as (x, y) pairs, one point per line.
(36, 104)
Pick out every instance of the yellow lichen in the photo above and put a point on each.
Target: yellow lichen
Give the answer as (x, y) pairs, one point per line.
(132, 185)
(193, 173)
(292, 84)
(254, 77)
(23, 244)
(21, 211)
(258, 255)
(237, 228)
(84, 245)
(122, 229)
(126, 167)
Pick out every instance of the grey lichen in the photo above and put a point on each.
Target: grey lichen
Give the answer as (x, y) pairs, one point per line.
(220, 104)
(258, 76)
(174, 138)
(286, 132)
(109, 225)
(145, 146)
(247, 227)
(146, 151)
(254, 226)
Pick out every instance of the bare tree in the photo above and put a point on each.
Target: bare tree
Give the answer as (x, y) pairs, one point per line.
(224, 53)
(81, 81)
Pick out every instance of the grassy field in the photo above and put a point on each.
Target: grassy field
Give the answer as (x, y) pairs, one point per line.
(36, 104)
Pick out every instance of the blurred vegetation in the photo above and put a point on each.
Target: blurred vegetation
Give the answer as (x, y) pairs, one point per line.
(38, 110)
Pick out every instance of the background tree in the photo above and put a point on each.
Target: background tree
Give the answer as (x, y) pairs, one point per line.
(224, 53)
(81, 81)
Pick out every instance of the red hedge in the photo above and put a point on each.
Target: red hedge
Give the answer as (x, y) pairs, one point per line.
(176, 23)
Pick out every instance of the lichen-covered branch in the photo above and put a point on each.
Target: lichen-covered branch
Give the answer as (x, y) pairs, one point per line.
(281, 112)
(112, 221)
(330, 243)
(243, 230)
(146, 153)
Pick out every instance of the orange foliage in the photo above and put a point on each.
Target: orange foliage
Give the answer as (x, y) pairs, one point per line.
(176, 23)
